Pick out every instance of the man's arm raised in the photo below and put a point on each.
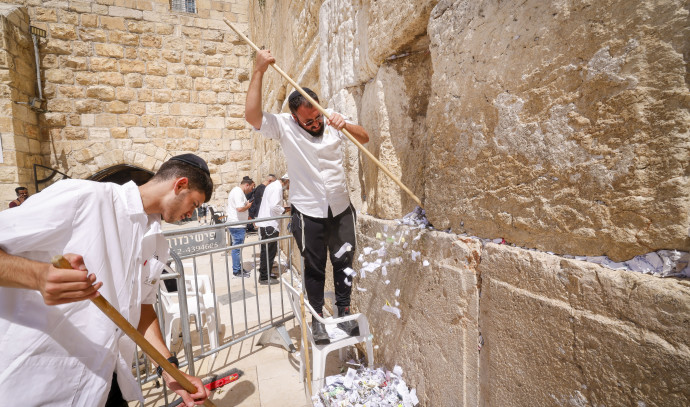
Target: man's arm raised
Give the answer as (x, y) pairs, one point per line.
(253, 112)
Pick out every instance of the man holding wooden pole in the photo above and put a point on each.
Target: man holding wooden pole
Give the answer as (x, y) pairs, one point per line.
(57, 348)
(323, 219)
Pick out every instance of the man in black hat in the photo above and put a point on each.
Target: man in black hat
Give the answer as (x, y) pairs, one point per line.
(111, 235)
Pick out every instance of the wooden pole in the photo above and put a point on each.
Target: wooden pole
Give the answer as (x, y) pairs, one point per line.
(103, 304)
(323, 112)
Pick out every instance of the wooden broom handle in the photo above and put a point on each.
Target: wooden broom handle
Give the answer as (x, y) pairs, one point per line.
(323, 112)
(110, 311)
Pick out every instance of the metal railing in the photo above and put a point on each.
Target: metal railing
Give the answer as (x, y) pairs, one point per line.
(210, 257)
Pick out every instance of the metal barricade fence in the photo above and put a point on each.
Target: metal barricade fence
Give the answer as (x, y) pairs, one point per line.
(202, 291)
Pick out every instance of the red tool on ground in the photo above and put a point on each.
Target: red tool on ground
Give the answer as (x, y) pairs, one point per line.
(222, 382)
(214, 382)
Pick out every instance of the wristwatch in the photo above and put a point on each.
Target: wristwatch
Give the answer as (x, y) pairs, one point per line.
(172, 359)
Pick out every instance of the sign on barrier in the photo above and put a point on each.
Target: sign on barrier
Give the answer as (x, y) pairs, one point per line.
(197, 242)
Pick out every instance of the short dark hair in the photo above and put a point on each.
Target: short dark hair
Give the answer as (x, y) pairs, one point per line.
(246, 180)
(16, 190)
(296, 99)
(199, 180)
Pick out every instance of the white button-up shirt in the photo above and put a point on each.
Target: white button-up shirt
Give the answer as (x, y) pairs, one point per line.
(271, 205)
(315, 165)
(65, 355)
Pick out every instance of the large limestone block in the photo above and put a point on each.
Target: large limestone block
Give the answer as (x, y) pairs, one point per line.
(435, 340)
(565, 332)
(394, 113)
(561, 126)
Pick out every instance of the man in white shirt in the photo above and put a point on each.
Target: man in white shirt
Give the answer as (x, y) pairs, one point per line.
(237, 211)
(322, 218)
(271, 206)
(57, 348)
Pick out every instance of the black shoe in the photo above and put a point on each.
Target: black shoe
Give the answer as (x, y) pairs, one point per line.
(318, 331)
(268, 281)
(350, 327)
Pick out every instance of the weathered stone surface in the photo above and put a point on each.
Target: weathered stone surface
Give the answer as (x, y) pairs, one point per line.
(561, 127)
(435, 340)
(559, 331)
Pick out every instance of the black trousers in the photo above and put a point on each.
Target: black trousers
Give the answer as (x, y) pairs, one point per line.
(319, 239)
(268, 251)
(115, 398)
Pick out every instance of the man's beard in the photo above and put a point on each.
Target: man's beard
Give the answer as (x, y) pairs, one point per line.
(317, 133)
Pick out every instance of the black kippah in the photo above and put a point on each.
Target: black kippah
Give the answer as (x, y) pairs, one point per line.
(193, 160)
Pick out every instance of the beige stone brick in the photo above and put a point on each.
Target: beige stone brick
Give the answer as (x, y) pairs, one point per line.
(201, 84)
(177, 69)
(112, 79)
(117, 106)
(99, 9)
(101, 92)
(131, 53)
(99, 133)
(167, 121)
(59, 105)
(137, 108)
(116, 11)
(150, 40)
(105, 120)
(188, 109)
(47, 61)
(74, 133)
(140, 27)
(45, 14)
(72, 92)
(67, 17)
(157, 108)
(215, 122)
(149, 54)
(207, 97)
(109, 50)
(81, 48)
(183, 96)
(192, 58)
(213, 72)
(128, 120)
(136, 132)
(162, 96)
(72, 62)
(144, 5)
(132, 66)
(149, 121)
(112, 23)
(65, 76)
(154, 82)
(216, 110)
(62, 31)
(118, 132)
(190, 122)
(133, 80)
(164, 29)
(92, 34)
(89, 20)
(176, 132)
(88, 106)
(208, 48)
(153, 16)
(172, 55)
(156, 68)
(80, 6)
(183, 145)
(181, 82)
(100, 64)
(124, 38)
(86, 78)
(87, 120)
(145, 95)
(225, 98)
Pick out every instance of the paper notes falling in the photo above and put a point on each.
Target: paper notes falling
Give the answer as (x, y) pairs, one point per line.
(346, 247)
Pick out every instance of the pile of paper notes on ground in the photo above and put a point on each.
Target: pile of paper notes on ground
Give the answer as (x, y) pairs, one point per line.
(366, 387)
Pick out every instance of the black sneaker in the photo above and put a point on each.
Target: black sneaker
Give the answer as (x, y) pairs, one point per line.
(350, 327)
(268, 281)
(318, 331)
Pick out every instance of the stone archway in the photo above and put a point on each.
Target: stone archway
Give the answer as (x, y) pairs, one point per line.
(122, 173)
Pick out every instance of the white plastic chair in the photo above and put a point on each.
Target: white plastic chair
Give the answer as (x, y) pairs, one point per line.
(320, 352)
(171, 314)
(205, 293)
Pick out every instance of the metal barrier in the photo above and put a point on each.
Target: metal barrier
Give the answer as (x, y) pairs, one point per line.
(206, 247)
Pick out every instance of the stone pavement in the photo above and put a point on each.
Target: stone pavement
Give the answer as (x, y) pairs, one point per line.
(270, 374)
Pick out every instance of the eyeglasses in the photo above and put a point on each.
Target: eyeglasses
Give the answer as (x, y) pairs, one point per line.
(309, 123)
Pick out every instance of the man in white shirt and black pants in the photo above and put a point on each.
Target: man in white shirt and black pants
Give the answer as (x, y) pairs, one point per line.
(271, 206)
(237, 211)
(322, 218)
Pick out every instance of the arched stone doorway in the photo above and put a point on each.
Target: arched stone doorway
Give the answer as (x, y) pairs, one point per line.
(123, 173)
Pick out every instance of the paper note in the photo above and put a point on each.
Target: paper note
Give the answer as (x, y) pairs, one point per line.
(344, 248)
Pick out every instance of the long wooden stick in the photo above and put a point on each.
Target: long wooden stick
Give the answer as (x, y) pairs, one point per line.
(305, 343)
(103, 304)
(323, 112)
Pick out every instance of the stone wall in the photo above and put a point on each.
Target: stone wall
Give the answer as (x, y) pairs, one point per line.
(559, 126)
(132, 82)
(19, 135)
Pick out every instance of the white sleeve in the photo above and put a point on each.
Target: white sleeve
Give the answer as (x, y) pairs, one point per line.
(270, 126)
(238, 199)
